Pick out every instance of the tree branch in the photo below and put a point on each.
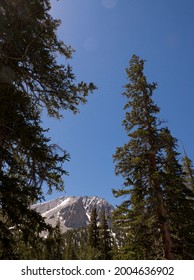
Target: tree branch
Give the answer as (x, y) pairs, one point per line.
(25, 53)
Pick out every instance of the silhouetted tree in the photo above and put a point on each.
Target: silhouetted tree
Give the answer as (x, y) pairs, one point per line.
(31, 79)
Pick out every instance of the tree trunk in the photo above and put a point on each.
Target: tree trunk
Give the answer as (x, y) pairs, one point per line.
(162, 215)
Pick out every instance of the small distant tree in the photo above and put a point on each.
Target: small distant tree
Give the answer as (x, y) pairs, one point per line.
(54, 244)
(70, 252)
(93, 230)
(105, 244)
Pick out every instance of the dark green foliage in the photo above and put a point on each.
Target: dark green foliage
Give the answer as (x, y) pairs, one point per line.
(93, 230)
(188, 171)
(31, 79)
(54, 244)
(136, 162)
(29, 46)
(71, 250)
(179, 202)
(99, 237)
(71, 245)
(154, 189)
(105, 244)
(92, 243)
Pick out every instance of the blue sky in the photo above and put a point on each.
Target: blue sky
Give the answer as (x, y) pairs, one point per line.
(105, 34)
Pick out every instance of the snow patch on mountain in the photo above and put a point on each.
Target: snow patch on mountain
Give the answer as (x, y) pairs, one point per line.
(73, 211)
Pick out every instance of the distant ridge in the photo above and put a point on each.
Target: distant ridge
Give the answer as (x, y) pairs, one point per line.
(73, 211)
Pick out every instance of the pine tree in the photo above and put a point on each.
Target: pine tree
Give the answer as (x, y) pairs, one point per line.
(29, 46)
(105, 240)
(54, 244)
(71, 249)
(93, 237)
(93, 230)
(178, 196)
(31, 79)
(136, 162)
(188, 171)
(120, 244)
(145, 213)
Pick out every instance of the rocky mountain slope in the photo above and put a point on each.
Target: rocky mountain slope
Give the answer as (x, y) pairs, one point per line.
(72, 211)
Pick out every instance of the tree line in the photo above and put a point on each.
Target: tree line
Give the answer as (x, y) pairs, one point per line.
(94, 242)
(156, 216)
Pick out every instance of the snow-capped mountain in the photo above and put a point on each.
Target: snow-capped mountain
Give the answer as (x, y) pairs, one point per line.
(73, 211)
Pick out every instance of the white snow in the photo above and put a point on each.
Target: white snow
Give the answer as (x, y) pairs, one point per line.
(55, 209)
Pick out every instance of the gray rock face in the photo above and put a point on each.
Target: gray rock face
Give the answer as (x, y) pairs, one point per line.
(73, 212)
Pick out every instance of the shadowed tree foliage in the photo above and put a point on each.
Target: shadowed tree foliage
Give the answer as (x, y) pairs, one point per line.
(31, 79)
(105, 244)
(93, 230)
(54, 244)
(188, 170)
(29, 50)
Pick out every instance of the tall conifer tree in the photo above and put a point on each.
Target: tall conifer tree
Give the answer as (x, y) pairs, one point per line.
(93, 230)
(143, 163)
(31, 79)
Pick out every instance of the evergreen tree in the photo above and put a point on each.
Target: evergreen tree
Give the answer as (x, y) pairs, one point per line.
(105, 244)
(120, 243)
(188, 171)
(84, 251)
(29, 46)
(93, 230)
(30, 79)
(71, 249)
(54, 244)
(178, 196)
(146, 213)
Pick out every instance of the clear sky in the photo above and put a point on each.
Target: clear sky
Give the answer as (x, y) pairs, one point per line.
(105, 34)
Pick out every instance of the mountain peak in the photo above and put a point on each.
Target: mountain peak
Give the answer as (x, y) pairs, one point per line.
(72, 211)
